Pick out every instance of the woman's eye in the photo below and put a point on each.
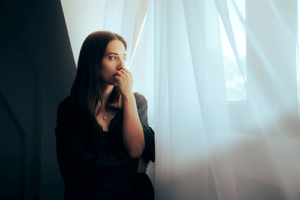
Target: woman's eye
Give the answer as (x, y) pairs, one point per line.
(112, 58)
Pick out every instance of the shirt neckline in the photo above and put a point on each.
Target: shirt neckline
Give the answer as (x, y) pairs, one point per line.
(110, 123)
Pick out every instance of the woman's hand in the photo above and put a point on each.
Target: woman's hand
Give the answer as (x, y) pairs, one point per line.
(142, 165)
(124, 81)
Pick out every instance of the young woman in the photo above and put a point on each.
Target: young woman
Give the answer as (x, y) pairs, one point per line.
(104, 142)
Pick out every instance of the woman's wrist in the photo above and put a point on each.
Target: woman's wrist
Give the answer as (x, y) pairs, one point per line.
(128, 97)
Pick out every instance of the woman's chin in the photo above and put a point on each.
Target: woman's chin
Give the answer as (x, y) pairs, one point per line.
(114, 83)
(108, 83)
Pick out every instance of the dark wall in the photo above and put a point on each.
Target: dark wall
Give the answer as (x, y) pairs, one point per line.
(36, 72)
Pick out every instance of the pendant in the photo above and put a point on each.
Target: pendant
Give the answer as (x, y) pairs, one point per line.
(104, 116)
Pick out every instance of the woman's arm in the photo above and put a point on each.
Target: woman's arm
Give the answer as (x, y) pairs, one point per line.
(133, 136)
(133, 131)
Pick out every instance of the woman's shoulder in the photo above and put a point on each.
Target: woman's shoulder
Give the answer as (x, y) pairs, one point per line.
(66, 109)
(141, 101)
(65, 104)
(139, 97)
(64, 112)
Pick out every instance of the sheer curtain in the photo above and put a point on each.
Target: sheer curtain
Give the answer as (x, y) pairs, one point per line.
(221, 80)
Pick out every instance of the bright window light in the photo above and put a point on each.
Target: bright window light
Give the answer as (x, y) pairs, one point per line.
(235, 86)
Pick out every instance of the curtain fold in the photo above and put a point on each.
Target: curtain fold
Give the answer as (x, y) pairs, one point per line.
(210, 147)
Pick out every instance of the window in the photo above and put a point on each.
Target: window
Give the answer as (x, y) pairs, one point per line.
(235, 85)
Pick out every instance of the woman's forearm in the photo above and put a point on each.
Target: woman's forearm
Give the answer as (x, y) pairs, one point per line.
(133, 136)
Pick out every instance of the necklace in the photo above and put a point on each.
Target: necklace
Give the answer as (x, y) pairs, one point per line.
(104, 117)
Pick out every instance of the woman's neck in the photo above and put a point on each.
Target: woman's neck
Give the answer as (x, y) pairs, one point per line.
(105, 92)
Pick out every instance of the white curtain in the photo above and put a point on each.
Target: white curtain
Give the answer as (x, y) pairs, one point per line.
(221, 80)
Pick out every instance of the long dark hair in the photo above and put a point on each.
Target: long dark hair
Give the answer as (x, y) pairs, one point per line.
(85, 91)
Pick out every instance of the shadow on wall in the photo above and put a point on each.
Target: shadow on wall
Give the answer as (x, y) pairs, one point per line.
(36, 73)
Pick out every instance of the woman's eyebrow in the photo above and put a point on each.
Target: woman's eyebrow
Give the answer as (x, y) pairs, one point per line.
(112, 53)
(116, 54)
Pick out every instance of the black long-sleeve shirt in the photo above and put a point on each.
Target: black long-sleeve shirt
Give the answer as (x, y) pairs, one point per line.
(94, 164)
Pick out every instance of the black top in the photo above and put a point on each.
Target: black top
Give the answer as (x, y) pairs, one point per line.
(93, 163)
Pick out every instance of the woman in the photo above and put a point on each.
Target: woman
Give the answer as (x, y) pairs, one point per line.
(104, 143)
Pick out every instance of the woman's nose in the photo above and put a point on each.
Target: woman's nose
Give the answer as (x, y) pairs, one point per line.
(121, 64)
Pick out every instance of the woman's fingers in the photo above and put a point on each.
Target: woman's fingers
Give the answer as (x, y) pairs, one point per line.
(126, 70)
(118, 77)
(123, 72)
(119, 73)
(124, 81)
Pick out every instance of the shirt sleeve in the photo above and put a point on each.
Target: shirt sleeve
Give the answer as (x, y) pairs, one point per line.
(72, 154)
(142, 106)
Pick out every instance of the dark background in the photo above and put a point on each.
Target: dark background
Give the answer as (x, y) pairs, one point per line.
(36, 72)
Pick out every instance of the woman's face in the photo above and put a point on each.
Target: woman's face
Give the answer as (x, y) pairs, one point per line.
(113, 61)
